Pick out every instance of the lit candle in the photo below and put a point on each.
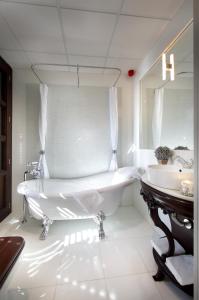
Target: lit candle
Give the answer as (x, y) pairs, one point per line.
(187, 188)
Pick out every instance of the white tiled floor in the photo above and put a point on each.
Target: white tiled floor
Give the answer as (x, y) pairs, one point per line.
(73, 264)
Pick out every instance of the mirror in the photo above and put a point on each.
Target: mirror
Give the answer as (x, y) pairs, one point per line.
(167, 106)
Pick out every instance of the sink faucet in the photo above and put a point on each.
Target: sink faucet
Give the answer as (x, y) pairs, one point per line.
(187, 164)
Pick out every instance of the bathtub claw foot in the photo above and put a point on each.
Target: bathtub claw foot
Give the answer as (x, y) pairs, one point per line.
(100, 221)
(23, 220)
(46, 226)
(101, 235)
(24, 217)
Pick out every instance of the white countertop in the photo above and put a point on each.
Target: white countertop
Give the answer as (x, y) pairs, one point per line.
(174, 193)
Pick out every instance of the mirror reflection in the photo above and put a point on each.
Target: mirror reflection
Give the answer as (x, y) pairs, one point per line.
(167, 106)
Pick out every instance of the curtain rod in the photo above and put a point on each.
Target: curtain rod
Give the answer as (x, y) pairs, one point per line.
(178, 74)
(33, 67)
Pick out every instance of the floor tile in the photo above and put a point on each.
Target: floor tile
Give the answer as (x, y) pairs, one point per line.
(37, 265)
(132, 225)
(88, 290)
(144, 248)
(120, 257)
(73, 264)
(7, 224)
(44, 293)
(29, 230)
(126, 212)
(80, 262)
(169, 291)
(77, 231)
(134, 287)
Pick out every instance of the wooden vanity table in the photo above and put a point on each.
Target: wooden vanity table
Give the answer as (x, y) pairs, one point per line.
(179, 208)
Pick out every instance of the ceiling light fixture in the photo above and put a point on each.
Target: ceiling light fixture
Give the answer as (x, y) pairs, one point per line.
(168, 67)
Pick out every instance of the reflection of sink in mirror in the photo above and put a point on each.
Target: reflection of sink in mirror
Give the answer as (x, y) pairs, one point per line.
(168, 176)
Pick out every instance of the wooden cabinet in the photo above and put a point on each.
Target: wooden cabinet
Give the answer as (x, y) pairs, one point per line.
(5, 138)
(10, 249)
(180, 212)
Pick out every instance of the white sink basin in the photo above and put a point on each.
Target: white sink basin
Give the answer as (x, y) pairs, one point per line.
(168, 176)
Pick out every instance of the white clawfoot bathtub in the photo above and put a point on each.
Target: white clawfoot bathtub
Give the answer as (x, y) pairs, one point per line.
(93, 196)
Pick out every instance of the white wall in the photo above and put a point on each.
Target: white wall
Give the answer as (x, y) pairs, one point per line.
(78, 136)
(196, 145)
(18, 138)
(82, 129)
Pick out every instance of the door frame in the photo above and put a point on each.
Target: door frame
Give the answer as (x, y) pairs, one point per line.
(7, 70)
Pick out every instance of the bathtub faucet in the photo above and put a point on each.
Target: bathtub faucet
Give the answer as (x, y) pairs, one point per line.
(33, 170)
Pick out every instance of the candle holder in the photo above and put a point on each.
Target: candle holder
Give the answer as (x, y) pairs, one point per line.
(187, 188)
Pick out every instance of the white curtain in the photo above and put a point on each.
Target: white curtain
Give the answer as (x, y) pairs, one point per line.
(43, 130)
(113, 108)
(157, 117)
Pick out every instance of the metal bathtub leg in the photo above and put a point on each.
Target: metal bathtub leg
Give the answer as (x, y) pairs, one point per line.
(46, 226)
(99, 220)
(25, 208)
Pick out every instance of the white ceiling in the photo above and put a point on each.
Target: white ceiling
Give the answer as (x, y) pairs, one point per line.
(115, 33)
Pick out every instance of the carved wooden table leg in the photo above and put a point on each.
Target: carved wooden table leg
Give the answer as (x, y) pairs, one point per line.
(159, 276)
(180, 212)
(153, 209)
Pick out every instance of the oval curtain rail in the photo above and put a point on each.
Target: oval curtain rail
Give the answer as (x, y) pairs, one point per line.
(34, 66)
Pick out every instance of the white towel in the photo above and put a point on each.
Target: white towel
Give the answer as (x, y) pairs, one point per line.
(182, 268)
(161, 245)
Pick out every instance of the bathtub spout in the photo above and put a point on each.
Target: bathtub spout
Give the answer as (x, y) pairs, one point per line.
(46, 226)
(100, 221)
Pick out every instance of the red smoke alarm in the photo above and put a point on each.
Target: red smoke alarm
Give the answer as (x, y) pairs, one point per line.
(131, 73)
